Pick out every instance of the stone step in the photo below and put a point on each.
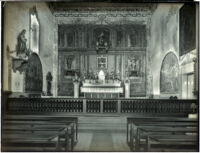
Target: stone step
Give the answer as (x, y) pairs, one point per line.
(102, 123)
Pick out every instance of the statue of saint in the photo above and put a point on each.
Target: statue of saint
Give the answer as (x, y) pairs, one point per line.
(49, 78)
(69, 61)
(21, 43)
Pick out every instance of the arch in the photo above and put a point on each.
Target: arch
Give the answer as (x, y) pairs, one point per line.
(34, 74)
(169, 74)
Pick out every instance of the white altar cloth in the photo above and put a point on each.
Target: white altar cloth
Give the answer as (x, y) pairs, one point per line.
(102, 89)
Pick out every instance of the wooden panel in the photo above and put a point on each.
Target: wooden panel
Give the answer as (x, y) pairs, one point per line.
(71, 36)
(66, 88)
(33, 74)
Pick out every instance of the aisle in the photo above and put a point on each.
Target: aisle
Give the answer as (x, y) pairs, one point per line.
(102, 134)
(102, 141)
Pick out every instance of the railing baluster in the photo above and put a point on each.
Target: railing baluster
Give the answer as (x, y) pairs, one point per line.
(143, 106)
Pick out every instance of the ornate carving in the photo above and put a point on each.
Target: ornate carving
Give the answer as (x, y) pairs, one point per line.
(112, 12)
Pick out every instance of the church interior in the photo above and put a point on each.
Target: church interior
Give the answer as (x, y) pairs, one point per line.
(100, 76)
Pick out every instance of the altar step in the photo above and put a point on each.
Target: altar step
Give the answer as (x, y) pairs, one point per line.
(102, 123)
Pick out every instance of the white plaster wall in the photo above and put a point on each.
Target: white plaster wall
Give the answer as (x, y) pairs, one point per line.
(164, 31)
(16, 18)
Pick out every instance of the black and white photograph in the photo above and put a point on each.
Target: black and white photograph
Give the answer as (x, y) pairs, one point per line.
(100, 76)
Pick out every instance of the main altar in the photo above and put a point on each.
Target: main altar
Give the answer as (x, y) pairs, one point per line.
(101, 88)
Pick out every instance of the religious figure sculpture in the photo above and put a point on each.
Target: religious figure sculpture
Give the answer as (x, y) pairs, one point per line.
(134, 66)
(101, 44)
(19, 62)
(49, 78)
(21, 44)
(69, 62)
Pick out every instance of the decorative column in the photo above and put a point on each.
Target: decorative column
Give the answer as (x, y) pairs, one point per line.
(76, 89)
(127, 89)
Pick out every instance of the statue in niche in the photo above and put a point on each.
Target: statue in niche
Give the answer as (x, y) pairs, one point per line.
(101, 43)
(133, 38)
(70, 39)
(134, 66)
(49, 78)
(69, 60)
(21, 48)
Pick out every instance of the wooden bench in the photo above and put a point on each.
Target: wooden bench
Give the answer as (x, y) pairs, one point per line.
(172, 143)
(47, 131)
(42, 118)
(143, 132)
(137, 127)
(24, 137)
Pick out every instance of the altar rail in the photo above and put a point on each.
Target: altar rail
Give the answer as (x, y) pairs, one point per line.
(152, 106)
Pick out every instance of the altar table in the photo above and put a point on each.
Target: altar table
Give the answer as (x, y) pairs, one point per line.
(107, 90)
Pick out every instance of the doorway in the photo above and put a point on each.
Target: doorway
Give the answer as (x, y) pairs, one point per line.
(188, 86)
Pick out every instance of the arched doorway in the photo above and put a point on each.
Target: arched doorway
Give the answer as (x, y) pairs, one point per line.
(169, 74)
(33, 75)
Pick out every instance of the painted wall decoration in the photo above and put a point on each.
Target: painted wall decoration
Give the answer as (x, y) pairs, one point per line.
(135, 66)
(33, 74)
(187, 33)
(84, 37)
(169, 81)
(119, 39)
(136, 72)
(101, 62)
(66, 36)
(136, 35)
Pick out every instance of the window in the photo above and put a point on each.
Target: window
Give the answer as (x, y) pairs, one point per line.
(34, 31)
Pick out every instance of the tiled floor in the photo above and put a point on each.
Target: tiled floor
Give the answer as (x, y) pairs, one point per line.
(102, 141)
(102, 134)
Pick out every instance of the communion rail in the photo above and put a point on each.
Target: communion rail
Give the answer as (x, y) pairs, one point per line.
(123, 106)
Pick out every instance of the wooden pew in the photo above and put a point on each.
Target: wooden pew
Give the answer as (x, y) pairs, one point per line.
(42, 118)
(172, 143)
(143, 132)
(40, 138)
(156, 122)
(38, 126)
